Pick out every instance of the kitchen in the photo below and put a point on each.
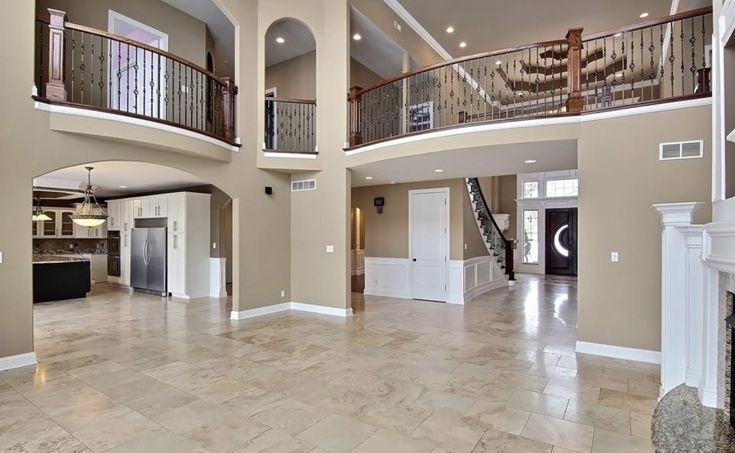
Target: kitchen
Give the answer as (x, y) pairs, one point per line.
(152, 234)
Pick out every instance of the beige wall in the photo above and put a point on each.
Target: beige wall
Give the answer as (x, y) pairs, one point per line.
(361, 76)
(187, 36)
(501, 193)
(294, 78)
(620, 179)
(386, 234)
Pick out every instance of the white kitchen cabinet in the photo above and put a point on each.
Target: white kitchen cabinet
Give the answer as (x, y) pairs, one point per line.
(60, 225)
(177, 264)
(140, 208)
(158, 206)
(114, 215)
(177, 213)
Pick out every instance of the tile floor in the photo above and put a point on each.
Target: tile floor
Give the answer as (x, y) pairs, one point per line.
(134, 373)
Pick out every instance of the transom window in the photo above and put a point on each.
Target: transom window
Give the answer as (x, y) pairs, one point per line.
(562, 188)
(530, 189)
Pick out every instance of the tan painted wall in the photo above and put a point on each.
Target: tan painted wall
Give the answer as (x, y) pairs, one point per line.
(501, 193)
(361, 76)
(386, 234)
(294, 78)
(620, 179)
(30, 149)
(187, 36)
(473, 241)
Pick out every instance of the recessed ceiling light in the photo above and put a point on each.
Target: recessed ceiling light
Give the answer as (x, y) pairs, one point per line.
(643, 15)
(463, 44)
(123, 187)
(392, 182)
(450, 29)
(439, 170)
(368, 178)
(280, 40)
(357, 36)
(530, 161)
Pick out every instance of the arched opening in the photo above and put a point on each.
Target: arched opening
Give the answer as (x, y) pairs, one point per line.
(162, 236)
(290, 84)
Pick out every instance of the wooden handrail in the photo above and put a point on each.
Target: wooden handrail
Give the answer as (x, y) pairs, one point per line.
(291, 100)
(650, 23)
(459, 60)
(132, 42)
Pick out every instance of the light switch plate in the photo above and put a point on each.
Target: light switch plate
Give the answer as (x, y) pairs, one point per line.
(614, 257)
(330, 249)
(1, 257)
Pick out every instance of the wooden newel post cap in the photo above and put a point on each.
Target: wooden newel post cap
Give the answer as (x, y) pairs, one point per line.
(574, 37)
(355, 92)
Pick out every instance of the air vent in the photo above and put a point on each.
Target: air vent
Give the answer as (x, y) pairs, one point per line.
(681, 150)
(306, 184)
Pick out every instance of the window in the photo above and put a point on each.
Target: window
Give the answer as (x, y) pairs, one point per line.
(530, 237)
(562, 188)
(530, 189)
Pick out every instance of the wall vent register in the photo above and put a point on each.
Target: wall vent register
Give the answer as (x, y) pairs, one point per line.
(300, 186)
(681, 150)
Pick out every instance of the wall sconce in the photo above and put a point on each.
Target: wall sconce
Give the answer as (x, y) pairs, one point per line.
(268, 190)
(379, 202)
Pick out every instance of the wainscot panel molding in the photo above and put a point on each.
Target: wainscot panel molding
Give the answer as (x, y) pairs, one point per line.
(481, 274)
(287, 306)
(388, 277)
(18, 361)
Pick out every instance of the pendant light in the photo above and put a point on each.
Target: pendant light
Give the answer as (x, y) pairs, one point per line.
(88, 214)
(38, 214)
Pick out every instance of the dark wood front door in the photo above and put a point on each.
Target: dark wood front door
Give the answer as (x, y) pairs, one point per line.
(561, 241)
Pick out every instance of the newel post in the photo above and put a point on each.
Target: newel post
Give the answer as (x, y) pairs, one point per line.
(230, 91)
(355, 98)
(575, 102)
(55, 88)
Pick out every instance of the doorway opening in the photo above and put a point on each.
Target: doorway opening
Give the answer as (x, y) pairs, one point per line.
(358, 250)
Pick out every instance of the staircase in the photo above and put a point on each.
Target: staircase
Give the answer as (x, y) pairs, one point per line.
(497, 244)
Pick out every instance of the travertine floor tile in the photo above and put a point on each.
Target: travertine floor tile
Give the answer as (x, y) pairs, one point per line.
(337, 433)
(608, 441)
(537, 402)
(563, 433)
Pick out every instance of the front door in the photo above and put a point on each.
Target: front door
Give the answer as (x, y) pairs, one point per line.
(561, 241)
(429, 239)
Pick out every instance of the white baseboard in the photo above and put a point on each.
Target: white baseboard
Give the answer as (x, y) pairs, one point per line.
(18, 361)
(286, 306)
(708, 397)
(619, 352)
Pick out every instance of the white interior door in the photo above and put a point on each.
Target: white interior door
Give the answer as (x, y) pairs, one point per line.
(429, 242)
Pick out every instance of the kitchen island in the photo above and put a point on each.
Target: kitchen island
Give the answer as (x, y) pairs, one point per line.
(59, 277)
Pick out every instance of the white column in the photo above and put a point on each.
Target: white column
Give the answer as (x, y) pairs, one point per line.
(693, 279)
(710, 351)
(673, 290)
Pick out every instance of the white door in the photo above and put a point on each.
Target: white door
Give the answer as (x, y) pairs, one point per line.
(429, 242)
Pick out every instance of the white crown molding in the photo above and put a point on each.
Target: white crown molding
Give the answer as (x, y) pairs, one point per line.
(18, 361)
(418, 28)
(677, 214)
(287, 306)
(618, 352)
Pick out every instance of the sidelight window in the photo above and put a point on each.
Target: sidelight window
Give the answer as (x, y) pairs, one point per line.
(530, 189)
(530, 236)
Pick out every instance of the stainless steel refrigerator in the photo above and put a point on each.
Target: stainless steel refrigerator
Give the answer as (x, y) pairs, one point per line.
(148, 260)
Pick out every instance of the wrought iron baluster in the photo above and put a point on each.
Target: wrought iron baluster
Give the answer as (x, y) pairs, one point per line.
(73, 66)
(101, 82)
(82, 68)
(693, 68)
(643, 73)
(651, 49)
(135, 81)
(127, 78)
(682, 65)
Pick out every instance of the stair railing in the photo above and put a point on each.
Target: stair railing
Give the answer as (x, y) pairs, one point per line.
(500, 246)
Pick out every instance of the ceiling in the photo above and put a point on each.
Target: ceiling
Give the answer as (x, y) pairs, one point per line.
(107, 177)
(298, 40)
(497, 24)
(482, 161)
(376, 50)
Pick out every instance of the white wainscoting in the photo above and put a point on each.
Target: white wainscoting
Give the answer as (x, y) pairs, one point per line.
(217, 283)
(286, 306)
(391, 277)
(388, 277)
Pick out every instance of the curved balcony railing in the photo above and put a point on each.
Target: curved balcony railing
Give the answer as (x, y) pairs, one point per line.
(290, 125)
(660, 60)
(88, 68)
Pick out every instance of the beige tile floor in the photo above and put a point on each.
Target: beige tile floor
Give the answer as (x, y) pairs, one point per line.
(137, 374)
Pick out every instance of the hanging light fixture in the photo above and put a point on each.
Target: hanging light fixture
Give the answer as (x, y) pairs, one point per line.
(88, 214)
(38, 214)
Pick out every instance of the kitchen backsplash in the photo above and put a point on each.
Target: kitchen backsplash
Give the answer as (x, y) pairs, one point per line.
(70, 246)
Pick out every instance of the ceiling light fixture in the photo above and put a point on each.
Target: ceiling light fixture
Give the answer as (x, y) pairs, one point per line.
(357, 36)
(280, 40)
(617, 35)
(450, 29)
(439, 170)
(38, 214)
(498, 62)
(368, 178)
(89, 215)
(531, 161)
(643, 15)
(123, 187)
(463, 44)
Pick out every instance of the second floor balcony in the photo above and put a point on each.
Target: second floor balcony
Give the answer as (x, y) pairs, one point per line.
(79, 66)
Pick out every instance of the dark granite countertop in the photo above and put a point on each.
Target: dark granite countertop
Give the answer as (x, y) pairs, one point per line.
(56, 259)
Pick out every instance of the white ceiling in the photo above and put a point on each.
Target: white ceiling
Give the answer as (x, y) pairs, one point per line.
(497, 24)
(376, 50)
(107, 177)
(482, 161)
(298, 41)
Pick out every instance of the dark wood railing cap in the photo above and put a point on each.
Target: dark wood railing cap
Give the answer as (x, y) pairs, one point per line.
(291, 100)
